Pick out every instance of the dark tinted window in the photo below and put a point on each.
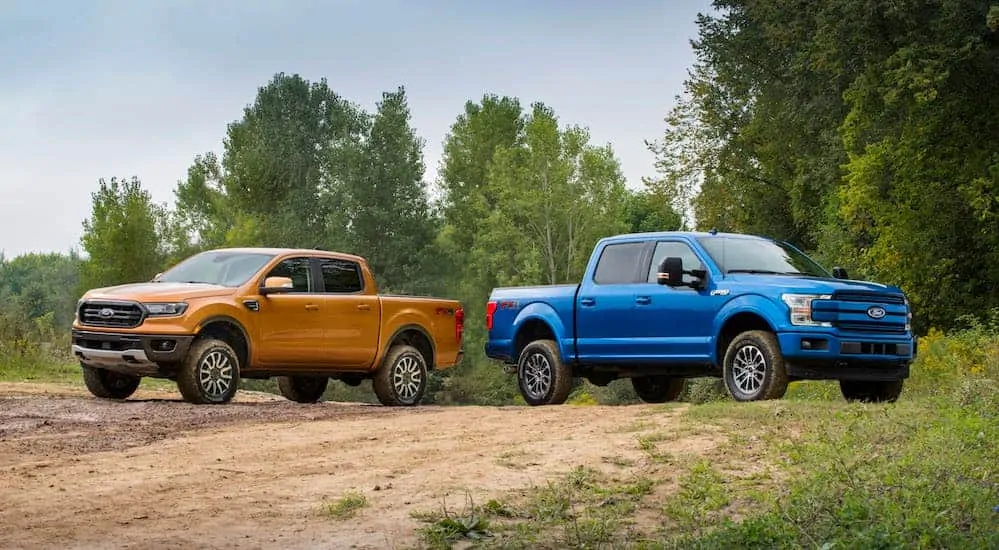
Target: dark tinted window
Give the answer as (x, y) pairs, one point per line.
(741, 255)
(341, 275)
(297, 269)
(676, 250)
(618, 264)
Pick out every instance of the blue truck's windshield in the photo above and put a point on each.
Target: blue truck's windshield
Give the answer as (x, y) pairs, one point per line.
(761, 256)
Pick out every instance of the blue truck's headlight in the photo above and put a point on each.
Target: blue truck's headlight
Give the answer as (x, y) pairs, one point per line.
(801, 309)
(166, 309)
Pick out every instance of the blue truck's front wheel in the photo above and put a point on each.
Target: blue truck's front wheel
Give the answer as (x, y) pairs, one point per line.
(754, 368)
(542, 377)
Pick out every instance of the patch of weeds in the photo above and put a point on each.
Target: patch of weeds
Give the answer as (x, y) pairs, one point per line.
(636, 426)
(648, 443)
(447, 527)
(702, 492)
(346, 506)
(583, 509)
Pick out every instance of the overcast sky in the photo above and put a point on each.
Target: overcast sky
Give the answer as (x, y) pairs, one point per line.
(102, 88)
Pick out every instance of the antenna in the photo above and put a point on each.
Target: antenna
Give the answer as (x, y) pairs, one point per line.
(714, 231)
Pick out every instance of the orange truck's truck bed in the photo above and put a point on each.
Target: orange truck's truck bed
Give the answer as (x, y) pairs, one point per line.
(302, 316)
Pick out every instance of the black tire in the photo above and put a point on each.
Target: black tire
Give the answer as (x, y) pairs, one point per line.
(874, 391)
(753, 367)
(401, 380)
(108, 384)
(303, 389)
(657, 389)
(542, 377)
(209, 374)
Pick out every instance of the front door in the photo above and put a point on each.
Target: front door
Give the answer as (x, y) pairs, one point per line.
(290, 325)
(352, 320)
(674, 324)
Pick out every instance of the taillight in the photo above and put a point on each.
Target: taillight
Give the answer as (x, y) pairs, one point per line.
(490, 311)
(459, 323)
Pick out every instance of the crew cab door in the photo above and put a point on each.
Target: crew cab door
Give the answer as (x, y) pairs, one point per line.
(605, 305)
(290, 324)
(352, 317)
(674, 324)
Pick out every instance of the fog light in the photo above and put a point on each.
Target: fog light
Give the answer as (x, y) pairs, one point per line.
(163, 345)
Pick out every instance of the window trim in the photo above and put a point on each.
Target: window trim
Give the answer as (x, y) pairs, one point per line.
(318, 269)
(312, 276)
(654, 243)
(636, 277)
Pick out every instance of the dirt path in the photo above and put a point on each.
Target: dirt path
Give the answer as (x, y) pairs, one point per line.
(154, 472)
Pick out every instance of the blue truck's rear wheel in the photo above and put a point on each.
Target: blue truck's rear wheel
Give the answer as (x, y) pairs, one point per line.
(541, 376)
(753, 367)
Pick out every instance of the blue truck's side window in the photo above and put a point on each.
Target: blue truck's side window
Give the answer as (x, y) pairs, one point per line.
(675, 249)
(618, 264)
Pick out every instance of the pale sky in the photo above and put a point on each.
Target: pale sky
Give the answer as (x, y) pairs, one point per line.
(102, 88)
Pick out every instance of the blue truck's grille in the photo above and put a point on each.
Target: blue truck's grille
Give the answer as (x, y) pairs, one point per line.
(110, 314)
(852, 312)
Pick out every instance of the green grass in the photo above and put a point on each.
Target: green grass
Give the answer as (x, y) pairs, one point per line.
(346, 507)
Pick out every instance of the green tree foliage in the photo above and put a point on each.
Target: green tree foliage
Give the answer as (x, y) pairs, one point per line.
(122, 237)
(854, 128)
(34, 285)
(386, 205)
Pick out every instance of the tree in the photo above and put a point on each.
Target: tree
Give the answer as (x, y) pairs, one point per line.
(556, 195)
(388, 212)
(120, 237)
(286, 162)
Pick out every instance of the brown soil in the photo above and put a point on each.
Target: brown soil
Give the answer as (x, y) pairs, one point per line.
(154, 472)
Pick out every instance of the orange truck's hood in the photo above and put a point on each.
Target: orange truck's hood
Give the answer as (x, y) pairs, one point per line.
(158, 292)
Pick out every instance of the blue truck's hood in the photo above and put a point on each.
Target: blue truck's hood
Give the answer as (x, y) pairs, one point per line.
(791, 283)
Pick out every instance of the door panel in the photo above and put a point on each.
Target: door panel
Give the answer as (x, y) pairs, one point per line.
(352, 321)
(290, 325)
(674, 324)
(605, 306)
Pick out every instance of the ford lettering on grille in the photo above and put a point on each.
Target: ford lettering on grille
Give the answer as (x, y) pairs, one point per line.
(876, 312)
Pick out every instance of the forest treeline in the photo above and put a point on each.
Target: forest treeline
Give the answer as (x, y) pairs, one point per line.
(864, 131)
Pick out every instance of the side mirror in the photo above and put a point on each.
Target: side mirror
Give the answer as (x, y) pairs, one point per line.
(840, 273)
(277, 285)
(157, 277)
(670, 272)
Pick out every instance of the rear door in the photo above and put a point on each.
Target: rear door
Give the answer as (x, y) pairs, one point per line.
(352, 317)
(605, 305)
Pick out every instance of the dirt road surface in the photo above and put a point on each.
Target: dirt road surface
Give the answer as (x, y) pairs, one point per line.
(154, 472)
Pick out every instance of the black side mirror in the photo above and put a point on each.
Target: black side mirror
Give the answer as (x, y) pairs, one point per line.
(840, 273)
(670, 272)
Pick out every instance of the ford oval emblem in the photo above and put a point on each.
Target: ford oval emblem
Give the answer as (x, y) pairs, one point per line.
(876, 312)
(106, 313)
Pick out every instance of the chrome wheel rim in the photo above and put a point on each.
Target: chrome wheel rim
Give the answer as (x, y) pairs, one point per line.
(537, 376)
(407, 377)
(215, 373)
(748, 369)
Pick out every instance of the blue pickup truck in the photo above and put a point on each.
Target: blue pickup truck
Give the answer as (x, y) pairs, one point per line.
(659, 308)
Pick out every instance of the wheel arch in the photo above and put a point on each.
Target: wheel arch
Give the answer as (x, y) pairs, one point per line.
(414, 335)
(735, 323)
(231, 331)
(538, 321)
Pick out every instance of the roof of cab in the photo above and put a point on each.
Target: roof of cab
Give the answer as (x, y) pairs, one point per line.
(688, 234)
(290, 251)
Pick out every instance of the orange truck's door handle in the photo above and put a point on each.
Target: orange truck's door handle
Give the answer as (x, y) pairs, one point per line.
(363, 307)
(311, 307)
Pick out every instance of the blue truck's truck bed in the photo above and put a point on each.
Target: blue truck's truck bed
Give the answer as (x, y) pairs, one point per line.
(757, 312)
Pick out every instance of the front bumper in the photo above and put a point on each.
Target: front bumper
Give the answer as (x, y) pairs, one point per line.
(816, 355)
(141, 354)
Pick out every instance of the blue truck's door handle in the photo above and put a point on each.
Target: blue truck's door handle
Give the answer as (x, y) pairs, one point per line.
(643, 300)
(587, 302)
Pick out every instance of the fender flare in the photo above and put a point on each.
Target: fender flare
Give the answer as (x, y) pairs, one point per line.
(404, 328)
(232, 321)
(540, 311)
(759, 305)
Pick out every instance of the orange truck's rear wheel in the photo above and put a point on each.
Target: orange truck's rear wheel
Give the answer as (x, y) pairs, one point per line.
(402, 377)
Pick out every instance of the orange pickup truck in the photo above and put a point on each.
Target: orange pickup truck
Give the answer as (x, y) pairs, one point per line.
(302, 316)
